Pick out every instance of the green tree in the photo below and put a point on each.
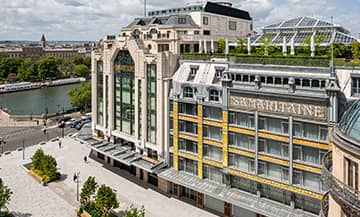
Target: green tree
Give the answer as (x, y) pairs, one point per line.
(25, 71)
(81, 71)
(221, 45)
(9, 65)
(134, 212)
(88, 190)
(48, 168)
(355, 48)
(37, 159)
(66, 67)
(87, 62)
(240, 47)
(265, 43)
(5, 195)
(105, 200)
(78, 60)
(80, 97)
(48, 68)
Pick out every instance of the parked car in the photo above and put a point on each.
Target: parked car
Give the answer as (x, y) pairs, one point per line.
(76, 122)
(81, 124)
(63, 119)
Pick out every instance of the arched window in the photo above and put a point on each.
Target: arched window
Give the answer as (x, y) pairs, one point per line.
(188, 92)
(214, 95)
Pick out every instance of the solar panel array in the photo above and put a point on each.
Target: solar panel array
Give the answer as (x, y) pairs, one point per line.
(280, 38)
(340, 37)
(327, 36)
(270, 36)
(301, 36)
(291, 23)
(323, 23)
(307, 21)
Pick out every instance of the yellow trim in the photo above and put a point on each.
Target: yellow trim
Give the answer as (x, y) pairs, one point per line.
(212, 142)
(200, 141)
(242, 130)
(188, 155)
(272, 159)
(188, 118)
(241, 152)
(212, 123)
(273, 136)
(307, 168)
(311, 144)
(187, 136)
(213, 163)
(176, 136)
(276, 184)
(225, 138)
(172, 114)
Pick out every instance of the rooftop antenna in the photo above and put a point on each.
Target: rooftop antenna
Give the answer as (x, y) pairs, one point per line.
(332, 52)
(144, 8)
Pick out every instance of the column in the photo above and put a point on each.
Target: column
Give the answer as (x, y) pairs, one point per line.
(290, 150)
(256, 118)
(227, 209)
(176, 135)
(200, 200)
(176, 190)
(200, 141)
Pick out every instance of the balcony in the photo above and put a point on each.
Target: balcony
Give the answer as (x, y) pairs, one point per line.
(347, 197)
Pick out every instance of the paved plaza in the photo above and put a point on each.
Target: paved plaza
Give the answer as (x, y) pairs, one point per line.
(59, 198)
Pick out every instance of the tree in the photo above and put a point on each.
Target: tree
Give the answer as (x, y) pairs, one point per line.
(48, 168)
(80, 97)
(88, 190)
(355, 48)
(339, 50)
(265, 43)
(37, 159)
(87, 62)
(221, 45)
(5, 195)
(48, 68)
(78, 60)
(26, 70)
(105, 200)
(134, 212)
(9, 65)
(81, 71)
(66, 67)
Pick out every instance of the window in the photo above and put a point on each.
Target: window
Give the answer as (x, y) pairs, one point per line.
(308, 154)
(206, 20)
(351, 173)
(307, 179)
(212, 152)
(196, 32)
(171, 123)
(242, 163)
(187, 145)
(171, 106)
(187, 127)
(232, 25)
(212, 173)
(182, 20)
(212, 132)
(192, 74)
(242, 119)
(206, 32)
(151, 104)
(273, 147)
(355, 86)
(188, 108)
(188, 92)
(310, 131)
(242, 141)
(273, 125)
(273, 171)
(212, 113)
(188, 165)
(214, 95)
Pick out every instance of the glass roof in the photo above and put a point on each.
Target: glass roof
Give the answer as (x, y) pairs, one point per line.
(350, 122)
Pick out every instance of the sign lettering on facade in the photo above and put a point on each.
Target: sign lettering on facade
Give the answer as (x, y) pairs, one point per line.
(291, 108)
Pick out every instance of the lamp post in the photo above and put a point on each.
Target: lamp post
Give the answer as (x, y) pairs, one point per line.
(62, 129)
(2, 144)
(76, 180)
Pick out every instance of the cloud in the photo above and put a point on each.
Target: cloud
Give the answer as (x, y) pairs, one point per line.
(92, 19)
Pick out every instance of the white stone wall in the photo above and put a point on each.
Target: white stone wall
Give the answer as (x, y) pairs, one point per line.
(344, 77)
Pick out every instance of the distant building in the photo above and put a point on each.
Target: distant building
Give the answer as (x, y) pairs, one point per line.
(36, 51)
(301, 29)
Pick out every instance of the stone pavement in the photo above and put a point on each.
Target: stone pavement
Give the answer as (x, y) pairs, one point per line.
(59, 199)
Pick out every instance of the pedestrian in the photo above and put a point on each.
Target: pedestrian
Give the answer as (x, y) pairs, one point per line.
(85, 159)
(59, 143)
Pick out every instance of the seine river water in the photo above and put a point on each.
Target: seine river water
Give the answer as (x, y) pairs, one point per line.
(36, 102)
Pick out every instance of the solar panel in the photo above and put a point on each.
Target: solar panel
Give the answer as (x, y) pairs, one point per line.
(343, 38)
(301, 36)
(307, 21)
(291, 22)
(280, 38)
(323, 23)
(326, 36)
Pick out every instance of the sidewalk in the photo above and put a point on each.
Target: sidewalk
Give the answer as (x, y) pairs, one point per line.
(60, 197)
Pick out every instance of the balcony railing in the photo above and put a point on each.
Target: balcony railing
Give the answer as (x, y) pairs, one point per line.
(344, 195)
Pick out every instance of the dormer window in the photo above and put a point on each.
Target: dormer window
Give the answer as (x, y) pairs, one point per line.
(182, 20)
(214, 95)
(218, 73)
(193, 71)
(188, 92)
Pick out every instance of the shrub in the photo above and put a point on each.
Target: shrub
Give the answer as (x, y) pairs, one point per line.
(44, 166)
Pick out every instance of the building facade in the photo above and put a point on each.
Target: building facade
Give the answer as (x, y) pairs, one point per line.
(341, 167)
(250, 132)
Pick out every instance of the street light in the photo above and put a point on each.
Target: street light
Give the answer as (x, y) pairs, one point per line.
(76, 179)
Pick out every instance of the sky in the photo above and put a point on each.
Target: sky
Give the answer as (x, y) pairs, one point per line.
(92, 19)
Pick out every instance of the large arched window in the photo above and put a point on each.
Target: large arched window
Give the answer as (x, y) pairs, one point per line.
(214, 95)
(188, 92)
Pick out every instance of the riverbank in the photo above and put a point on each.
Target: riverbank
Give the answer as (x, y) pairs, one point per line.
(24, 86)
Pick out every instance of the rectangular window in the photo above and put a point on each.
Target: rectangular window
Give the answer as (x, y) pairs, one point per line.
(212, 113)
(140, 107)
(212, 132)
(212, 152)
(212, 173)
(151, 103)
(99, 93)
(188, 146)
(232, 25)
(182, 20)
(171, 106)
(206, 32)
(355, 86)
(351, 173)
(242, 141)
(307, 180)
(273, 125)
(188, 108)
(242, 119)
(242, 163)
(188, 166)
(311, 131)
(187, 127)
(205, 20)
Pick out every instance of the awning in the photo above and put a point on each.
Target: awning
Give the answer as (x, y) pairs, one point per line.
(234, 196)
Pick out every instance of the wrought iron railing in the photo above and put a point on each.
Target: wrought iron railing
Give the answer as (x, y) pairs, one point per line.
(342, 193)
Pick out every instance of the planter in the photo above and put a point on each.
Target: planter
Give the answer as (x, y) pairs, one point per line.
(36, 177)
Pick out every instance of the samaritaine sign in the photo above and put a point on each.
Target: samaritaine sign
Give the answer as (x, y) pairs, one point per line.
(290, 108)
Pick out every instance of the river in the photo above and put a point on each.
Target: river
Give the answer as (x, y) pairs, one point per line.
(35, 102)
